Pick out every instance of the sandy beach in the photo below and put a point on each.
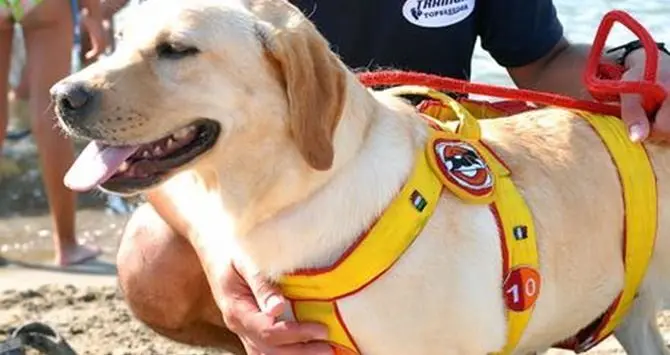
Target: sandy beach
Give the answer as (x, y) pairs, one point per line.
(91, 316)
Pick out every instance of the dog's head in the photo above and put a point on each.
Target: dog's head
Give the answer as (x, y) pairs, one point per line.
(194, 77)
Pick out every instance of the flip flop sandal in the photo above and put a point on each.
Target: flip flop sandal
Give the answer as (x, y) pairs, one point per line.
(38, 336)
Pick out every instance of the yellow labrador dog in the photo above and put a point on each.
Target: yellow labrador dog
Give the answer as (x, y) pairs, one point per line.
(271, 148)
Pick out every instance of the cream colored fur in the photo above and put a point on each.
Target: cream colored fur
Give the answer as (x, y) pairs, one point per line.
(258, 196)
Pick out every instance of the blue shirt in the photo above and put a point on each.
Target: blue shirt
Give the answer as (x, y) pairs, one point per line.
(435, 36)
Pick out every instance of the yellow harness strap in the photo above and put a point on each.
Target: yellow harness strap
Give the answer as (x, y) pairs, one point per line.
(314, 293)
(461, 162)
(485, 179)
(638, 184)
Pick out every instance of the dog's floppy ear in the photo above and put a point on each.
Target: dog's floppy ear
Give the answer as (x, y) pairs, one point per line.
(315, 79)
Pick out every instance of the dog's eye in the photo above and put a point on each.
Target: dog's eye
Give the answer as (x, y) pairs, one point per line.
(175, 51)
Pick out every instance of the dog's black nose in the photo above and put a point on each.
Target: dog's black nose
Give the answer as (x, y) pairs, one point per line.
(74, 100)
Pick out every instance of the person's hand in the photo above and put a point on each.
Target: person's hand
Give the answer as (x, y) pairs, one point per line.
(239, 292)
(636, 119)
(96, 32)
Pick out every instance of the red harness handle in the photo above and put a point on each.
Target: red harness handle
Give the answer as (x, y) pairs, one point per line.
(609, 89)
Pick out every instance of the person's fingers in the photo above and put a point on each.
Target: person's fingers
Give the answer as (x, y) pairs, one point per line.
(249, 348)
(268, 296)
(93, 53)
(97, 45)
(634, 117)
(290, 333)
(260, 331)
(314, 348)
(242, 316)
(94, 28)
(284, 338)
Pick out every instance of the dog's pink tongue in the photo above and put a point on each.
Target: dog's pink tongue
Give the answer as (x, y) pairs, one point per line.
(96, 163)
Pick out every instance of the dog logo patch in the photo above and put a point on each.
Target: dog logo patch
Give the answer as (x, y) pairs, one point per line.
(463, 167)
(521, 288)
(437, 13)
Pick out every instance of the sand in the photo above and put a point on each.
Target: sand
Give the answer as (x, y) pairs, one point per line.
(91, 316)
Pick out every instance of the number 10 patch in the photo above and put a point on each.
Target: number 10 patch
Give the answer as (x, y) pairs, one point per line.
(522, 288)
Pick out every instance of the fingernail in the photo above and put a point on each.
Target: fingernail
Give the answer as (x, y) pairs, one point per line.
(272, 302)
(636, 132)
(321, 334)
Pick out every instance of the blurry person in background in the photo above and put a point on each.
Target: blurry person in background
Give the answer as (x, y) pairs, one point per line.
(109, 8)
(19, 92)
(48, 31)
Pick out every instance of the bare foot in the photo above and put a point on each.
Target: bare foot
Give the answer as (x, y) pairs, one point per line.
(77, 255)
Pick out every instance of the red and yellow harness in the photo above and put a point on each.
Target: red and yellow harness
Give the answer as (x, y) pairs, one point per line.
(461, 162)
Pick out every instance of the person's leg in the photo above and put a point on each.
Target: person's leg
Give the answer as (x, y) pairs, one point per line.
(6, 36)
(48, 34)
(19, 104)
(165, 286)
(19, 108)
(22, 90)
(20, 83)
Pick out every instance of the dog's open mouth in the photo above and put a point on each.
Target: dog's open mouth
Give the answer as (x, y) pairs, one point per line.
(127, 169)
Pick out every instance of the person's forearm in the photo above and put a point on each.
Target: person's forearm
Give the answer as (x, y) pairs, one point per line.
(561, 73)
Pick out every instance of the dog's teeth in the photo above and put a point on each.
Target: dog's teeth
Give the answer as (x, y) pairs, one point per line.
(170, 143)
(158, 151)
(182, 133)
(146, 154)
(124, 166)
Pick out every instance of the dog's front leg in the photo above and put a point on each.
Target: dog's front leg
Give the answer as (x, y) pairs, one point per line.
(639, 334)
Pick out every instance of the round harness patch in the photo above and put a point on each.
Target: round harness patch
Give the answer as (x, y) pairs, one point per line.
(463, 168)
(522, 288)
